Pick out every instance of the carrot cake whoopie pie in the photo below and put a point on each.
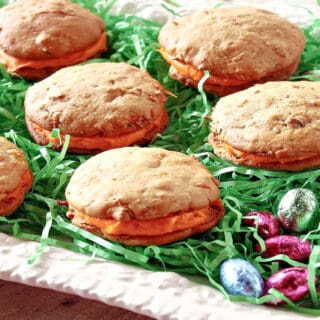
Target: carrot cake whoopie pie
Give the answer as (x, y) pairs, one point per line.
(100, 105)
(239, 46)
(274, 126)
(143, 196)
(40, 37)
(15, 177)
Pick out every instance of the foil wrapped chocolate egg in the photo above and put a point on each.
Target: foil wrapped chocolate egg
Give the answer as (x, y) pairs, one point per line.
(239, 277)
(292, 282)
(297, 210)
(292, 246)
(268, 225)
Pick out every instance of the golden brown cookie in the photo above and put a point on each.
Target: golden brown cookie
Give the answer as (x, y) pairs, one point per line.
(143, 196)
(40, 37)
(100, 105)
(239, 46)
(272, 126)
(15, 177)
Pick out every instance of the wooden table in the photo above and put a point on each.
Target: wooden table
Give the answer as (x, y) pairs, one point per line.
(21, 302)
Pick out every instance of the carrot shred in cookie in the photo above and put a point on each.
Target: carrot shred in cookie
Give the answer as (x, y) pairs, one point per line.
(195, 74)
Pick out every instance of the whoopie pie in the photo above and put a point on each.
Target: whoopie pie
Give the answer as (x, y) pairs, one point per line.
(40, 37)
(143, 196)
(239, 46)
(15, 177)
(100, 105)
(273, 126)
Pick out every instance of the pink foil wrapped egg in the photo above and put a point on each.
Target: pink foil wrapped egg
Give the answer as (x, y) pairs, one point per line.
(268, 225)
(292, 282)
(292, 246)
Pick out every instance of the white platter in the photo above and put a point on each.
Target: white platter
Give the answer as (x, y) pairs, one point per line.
(163, 295)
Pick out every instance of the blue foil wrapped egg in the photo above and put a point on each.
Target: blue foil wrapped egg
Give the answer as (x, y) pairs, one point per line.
(239, 277)
(297, 210)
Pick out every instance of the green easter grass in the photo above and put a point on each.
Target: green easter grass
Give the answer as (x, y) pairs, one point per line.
(134, 40)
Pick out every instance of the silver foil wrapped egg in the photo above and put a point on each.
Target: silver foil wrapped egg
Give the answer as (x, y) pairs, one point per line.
(239, 277)
(297, 210)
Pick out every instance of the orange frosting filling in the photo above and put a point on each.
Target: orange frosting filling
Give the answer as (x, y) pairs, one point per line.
(9, 201)
(152, 227)
(103, 142)
(260, 158)
(196, 75)
(14, 64)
